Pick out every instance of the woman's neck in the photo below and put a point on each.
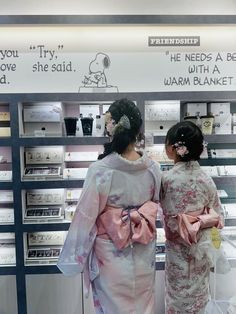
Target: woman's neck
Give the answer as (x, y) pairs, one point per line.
(130, 153)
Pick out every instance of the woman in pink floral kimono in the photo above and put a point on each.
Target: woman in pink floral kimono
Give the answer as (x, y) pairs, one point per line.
(191, 206)
(112, 235)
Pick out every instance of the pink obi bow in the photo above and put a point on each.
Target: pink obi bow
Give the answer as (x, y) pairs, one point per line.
(187, 225)
(126, 226)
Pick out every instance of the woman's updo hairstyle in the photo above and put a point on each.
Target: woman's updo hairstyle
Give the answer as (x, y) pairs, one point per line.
(125, 136)
(188, 134)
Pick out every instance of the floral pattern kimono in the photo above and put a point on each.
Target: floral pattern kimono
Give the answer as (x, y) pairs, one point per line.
(186, 188)
(122, 279)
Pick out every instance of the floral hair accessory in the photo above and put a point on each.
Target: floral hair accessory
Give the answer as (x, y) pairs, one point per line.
(181, 149)
(123, 124)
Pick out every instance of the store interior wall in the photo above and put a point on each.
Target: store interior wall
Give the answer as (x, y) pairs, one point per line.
(8, 300)
(113, 7)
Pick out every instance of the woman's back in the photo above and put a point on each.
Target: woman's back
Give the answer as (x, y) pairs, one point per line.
(188, 188)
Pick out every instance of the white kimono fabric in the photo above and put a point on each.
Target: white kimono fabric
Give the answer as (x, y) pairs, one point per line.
(186, 188)
(122, 280)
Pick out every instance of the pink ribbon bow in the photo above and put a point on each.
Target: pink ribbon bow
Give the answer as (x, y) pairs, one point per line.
(189, 224)
(126, 226)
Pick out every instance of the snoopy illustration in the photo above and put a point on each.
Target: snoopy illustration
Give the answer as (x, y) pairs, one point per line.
(97, 77)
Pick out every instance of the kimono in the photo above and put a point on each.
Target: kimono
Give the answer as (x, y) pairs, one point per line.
(186, 189)
(122, 279)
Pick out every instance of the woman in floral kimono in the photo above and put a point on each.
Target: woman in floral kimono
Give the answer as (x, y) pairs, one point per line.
(112, 235)
(191, 206)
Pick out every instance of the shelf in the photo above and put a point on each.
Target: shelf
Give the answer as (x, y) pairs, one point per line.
(227, 180)
(6, 185)
(41, 269)
(7, 270)
(5, 141)
(45, 184)
(7, 228)
(46, 227)
(230, 222)
(217, 162)
(221, 138)
(86, 140)
(210, 139)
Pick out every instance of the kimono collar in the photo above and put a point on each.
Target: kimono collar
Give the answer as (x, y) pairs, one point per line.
(187, 165)
(116, 161)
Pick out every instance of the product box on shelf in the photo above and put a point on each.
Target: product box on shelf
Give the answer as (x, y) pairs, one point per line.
(6, 215)
(4, 116)
(42, 173)
(50, 158)
(5, 131)
(5, 175)
(229, 210)
(7, 249)
(196, 109)
(45, 197)
(44, 117)
(227, 170)
(160, 116)
(69, 212)
(75, 173)
(223, 153)
(80, 156)
(43, 205)
(42, 213)
(223, 124)
(73, 194)
(219, 108)
(44, 155)
(44, 246)
(6, 196)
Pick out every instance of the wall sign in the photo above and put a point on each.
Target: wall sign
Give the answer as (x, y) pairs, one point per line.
(117, 59)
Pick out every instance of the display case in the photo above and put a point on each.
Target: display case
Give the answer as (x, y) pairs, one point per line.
(48, 169)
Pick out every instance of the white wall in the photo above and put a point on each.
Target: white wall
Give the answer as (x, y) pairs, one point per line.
(112, 7)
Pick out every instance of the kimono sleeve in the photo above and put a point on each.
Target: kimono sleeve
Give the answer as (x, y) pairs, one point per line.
(83, 230)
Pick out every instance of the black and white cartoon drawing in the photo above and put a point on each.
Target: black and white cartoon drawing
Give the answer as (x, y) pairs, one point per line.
(97, 78)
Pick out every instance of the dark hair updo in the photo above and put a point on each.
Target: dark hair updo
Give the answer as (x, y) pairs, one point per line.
(122, 139)
(190, 135)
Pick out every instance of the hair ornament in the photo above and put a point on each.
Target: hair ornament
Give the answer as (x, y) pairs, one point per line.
(123, 124)
(181, 149)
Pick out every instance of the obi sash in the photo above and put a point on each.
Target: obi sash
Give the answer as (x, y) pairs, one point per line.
(186, 226)
(125, 226)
